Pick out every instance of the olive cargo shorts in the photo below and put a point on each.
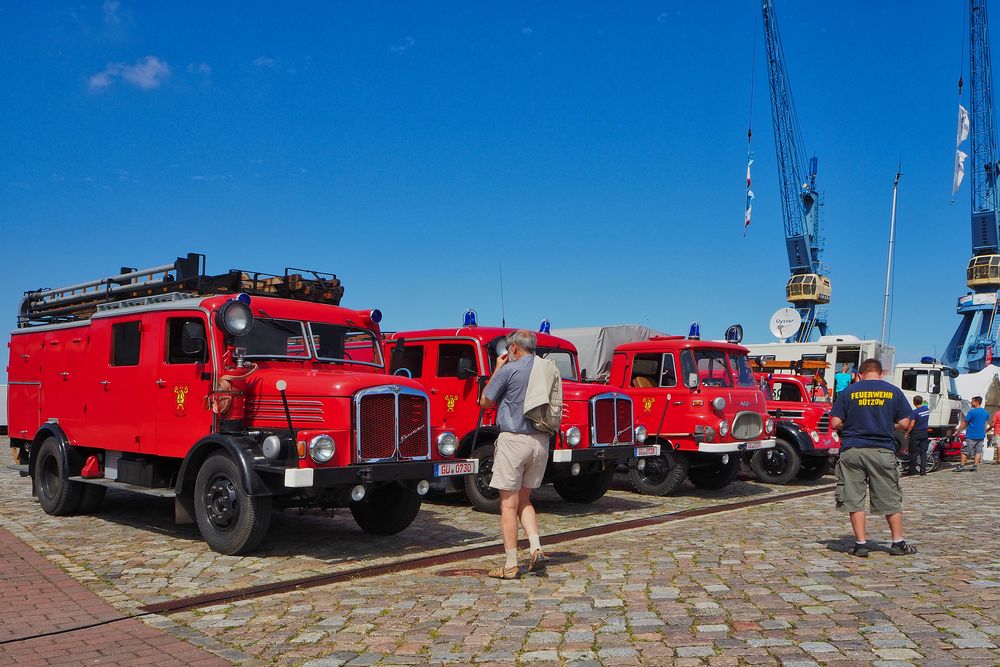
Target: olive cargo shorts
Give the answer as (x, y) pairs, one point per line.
(519, 461)
(868, 470)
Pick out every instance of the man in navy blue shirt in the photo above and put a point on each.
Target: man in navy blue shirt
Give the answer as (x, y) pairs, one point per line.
(974, 425)
(918, 435)
(867, 414)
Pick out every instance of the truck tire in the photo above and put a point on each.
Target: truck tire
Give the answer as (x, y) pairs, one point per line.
(662, 475)
(778, 465)
(230, 521)
(716, 475)
(56, 494)
(477, 487)
(585, 487)
(93, 496)
(814, 467)
(387, 510)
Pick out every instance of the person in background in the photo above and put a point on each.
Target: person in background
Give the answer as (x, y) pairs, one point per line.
(867, 415)
(842, 379)
(974, 425)
(917, 434)
(995, 429)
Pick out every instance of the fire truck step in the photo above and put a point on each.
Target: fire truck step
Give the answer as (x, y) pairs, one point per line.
(162, 492)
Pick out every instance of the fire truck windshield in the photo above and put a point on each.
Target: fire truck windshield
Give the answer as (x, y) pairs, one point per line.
(272, 338)
(744, 374)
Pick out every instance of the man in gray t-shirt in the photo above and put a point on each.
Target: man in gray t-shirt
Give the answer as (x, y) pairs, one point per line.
(520, 452)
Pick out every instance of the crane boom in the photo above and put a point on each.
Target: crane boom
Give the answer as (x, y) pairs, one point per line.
(808, 286)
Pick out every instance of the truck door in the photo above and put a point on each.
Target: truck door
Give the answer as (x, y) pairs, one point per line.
(454, 390)
(182, 384)
(120, 410)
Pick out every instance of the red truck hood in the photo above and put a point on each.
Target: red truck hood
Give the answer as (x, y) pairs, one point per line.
(584, 391)
(321, 382)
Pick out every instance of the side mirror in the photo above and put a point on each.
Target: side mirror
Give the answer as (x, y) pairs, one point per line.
(466, 369)
(193, 338)
(583, 375)
(692, 381)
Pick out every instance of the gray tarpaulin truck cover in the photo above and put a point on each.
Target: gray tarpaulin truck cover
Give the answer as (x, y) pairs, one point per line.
(596, 345)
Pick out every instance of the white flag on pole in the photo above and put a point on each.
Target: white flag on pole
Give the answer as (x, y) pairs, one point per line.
(963, 125)
(959, 171)
(963, 134)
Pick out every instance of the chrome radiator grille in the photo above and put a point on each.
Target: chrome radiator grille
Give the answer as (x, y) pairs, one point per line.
(610, 420)
(747, 426)
(391, 423)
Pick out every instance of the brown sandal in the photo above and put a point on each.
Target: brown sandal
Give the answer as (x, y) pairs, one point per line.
(537, 561)
(504, 572)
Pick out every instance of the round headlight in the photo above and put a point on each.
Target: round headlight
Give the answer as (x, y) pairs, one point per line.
(321, 448)
(573, 436)
(271, 447)
(640, 433)
(724, 428)
(718, 403)
(815, 436)
(769, 425)
(236, 318)
(447, 443)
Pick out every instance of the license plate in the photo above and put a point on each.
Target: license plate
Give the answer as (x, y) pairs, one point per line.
(833, 450)
(650, 450)
(755, 444)
(455, 468)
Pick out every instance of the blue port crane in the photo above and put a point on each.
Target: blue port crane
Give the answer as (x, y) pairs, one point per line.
(808, 287)
(974, 345)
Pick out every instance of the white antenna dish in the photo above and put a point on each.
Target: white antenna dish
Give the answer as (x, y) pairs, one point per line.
(785, 322)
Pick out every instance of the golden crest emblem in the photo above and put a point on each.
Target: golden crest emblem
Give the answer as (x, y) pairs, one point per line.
(181, 394)
(647, 404)
(449, 401)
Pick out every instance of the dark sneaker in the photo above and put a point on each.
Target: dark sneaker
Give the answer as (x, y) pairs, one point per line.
(859, 550)
(960, 468)
(974, 468)
(902, 549)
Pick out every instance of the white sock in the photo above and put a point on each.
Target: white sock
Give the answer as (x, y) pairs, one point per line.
(861, 541)
(511, 558)
(534, 543)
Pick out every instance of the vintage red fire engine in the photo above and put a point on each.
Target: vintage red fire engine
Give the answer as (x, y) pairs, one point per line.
(232, 393)
(454, 364)
(698, 400)
(800, 405)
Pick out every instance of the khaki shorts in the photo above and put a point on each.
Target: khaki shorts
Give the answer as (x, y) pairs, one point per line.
(863, 471)
(519, 461)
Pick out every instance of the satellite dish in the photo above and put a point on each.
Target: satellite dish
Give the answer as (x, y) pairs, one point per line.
(785, 322)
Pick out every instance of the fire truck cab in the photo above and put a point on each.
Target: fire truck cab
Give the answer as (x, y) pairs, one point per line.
(233, 394)
(455, 364)
(800, 405)
(698, 400)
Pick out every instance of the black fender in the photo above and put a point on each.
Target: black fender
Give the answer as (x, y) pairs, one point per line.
(487, 434)
(241, 451)
(70, 458)
(795, 435)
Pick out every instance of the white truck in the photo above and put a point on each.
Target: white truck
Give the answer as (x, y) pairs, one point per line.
(930, 379)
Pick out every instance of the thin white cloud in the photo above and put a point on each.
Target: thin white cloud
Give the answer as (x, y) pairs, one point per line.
(264, 61)
(146, 74)
(407, 44)
(200, 68)
(527, 30)
(110, 9)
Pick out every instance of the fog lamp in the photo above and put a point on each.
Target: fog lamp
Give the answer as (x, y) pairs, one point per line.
(423, 486)
(358, 493)
(574, 469)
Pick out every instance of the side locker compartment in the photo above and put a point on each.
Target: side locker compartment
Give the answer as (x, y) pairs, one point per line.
(24, 391)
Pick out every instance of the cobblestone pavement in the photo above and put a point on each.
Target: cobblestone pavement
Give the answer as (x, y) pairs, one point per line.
(763, 585)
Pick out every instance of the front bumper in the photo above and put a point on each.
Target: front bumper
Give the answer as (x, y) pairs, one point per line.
(729, 447)
(388, 471)
(610, 454)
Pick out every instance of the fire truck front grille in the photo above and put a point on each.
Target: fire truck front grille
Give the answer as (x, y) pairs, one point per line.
(610, 420)
(391, 424)
(412, 427)
(823, 426)
(747, 426)
(303, 411)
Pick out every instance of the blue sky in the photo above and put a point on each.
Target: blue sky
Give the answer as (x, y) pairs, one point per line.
(597, 150)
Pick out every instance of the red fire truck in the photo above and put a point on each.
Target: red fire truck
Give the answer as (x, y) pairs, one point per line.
(697, 399)
(454, 365)
(233, 394)
(800, 405)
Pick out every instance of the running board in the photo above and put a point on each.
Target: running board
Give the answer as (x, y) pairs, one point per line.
(162, 492)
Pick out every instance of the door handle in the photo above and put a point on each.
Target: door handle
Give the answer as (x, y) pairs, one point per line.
(433, 390)
(161, 383)
(105, 382)
(64, 374)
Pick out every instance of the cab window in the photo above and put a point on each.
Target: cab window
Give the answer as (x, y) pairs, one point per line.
(125, 339)
(668, 378)
(454, 357)
(646, 370)
(410, 358)
(175, 341)
(786, 391)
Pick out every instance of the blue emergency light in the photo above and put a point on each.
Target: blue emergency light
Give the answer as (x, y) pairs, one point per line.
(375, 315)
(928, 360)
(470, 318)
(695, 332)
(243, 297)
(734, 334)
(545, 327)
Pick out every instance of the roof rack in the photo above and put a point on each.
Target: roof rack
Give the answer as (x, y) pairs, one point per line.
(185, 277)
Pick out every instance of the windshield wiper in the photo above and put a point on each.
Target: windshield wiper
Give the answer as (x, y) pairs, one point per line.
(281, 325)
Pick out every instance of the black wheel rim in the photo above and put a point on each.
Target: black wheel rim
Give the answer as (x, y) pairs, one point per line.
(775, 462)
(50, 477)
(655, 471)
(483, 478)
(222, 503)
